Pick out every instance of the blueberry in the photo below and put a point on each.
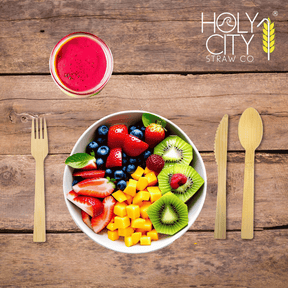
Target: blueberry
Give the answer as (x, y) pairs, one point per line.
(137, 133)
(131, 168)
(131, 128)
(124, 161)
(103, 151)
(143, 128)
(75, 182)
(109, 173)
(102, 131)
(124, 168)
(146, 154)
(121, 185)
(100, 163)
(119, 175)
(92, 146)
(101, 140)
(132, 160)
(124, 155)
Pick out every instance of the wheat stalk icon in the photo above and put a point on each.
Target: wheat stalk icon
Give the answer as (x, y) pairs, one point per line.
(268, 36)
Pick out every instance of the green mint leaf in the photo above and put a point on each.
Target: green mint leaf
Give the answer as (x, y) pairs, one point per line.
(79, 160)
(148, 118)
(92, 153)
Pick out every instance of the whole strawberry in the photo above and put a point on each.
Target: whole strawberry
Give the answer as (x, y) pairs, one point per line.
(154, 134)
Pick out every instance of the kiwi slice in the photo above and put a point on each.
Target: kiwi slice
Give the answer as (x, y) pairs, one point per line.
(174, 150)
(168, 214)
(186, 191)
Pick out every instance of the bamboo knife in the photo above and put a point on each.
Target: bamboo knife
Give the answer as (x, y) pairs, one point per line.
(220, 150)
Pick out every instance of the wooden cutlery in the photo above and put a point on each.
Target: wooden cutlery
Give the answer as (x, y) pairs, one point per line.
(220, 150)
(250, 132)
(39, 150)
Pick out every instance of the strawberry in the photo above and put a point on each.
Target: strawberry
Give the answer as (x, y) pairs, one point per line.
(100, 222)
(90, 205)
(95, 187)
(154, 134)
(116, 136)
(86, 218)
(155, 163)
(133, 146)
(90, 174)
(114, 158)
(177, 180)
(91, 165)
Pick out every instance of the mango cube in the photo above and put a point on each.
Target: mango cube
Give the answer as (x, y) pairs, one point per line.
(142, 183)
(133, 211)
(131, 187)
(141, 231)
(155, 193)
(152, 179)
(141, 196)
(111, 226)
(129, 199)
(153, 234)
(126, 232)
(147, 170)
(113, 235)
(138, 173)
(138, 223)
(122, 222)
(119, 196)
(136, 237)
(147, 226)
(145, 240)
(128, 241)
(120, 209)
(143, 210)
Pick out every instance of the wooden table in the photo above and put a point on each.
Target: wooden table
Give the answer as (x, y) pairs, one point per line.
(159, 66)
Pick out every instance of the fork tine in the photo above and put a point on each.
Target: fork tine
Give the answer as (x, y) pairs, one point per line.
(37, 131)
(45, 130)
(32, 130)
(41, 137)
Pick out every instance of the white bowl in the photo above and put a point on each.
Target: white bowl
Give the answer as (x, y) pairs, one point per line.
(195, 204)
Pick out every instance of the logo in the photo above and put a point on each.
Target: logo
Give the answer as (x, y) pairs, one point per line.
(227, 33)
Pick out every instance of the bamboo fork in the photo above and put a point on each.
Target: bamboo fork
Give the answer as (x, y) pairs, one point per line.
(39, 150)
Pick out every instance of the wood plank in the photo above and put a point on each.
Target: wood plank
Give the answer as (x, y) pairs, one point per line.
(152, 37)
(196, 103)
(194, 260)
(271, 201)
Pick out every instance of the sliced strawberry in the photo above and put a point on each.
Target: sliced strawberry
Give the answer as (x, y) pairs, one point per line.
(95, 187)
(100, 222)
(91, 165)
(133, 146)
(115, 158)
(71, 195)
(90, 205)
(116, 136)
(90, 174)
(177, 180)
(86, 218)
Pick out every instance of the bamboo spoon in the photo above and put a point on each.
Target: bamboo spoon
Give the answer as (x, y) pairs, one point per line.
(250, 132)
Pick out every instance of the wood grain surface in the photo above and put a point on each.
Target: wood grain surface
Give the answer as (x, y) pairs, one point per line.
(161, 36)
(195, 260)
(196, 103)
(271, 197)
(160, 66)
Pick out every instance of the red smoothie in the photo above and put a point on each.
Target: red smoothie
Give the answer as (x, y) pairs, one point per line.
(80, 64)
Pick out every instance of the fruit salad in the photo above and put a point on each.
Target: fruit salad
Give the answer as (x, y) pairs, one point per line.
(134, 182)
